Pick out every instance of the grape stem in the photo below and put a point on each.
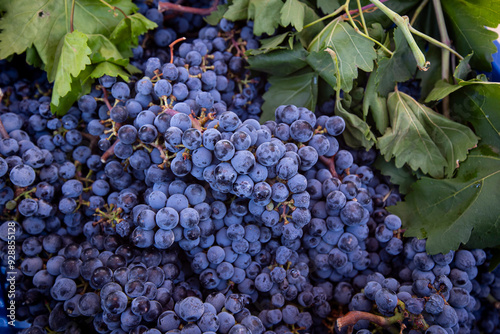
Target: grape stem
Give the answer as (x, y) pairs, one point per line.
(165, 6)
(171, 46)
(106, 101)
(194, 120)
(330, 163)
(351, 318)
(109, 152)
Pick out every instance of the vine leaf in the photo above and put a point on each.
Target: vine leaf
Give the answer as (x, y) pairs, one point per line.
(467, 20)
(353, 51)
(215, 17)
(69, 53)
(293, 13)
(478, 104)
(43, 24)
(423, 139)
(238, 10)
(328, 6)
(108, 67)
(126, 33)
(266, 15)
(440, 90)
(456, 211)
(322, 63)
(403, 177)
(272, 62)
(357, 133)
(463, 68)
(374, 103)
(398, 68)
(72, 58)
(269, 44)
(104, 50)
(299, 89)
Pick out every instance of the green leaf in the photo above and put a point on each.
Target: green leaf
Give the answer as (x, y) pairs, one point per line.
(126, 33)
(441, 89)
(300, 90)
(325, 92)
(399, 68)
(73, 57)
(293, 13)
(423, 139)
(478, 105)
(215, 17)
(353, 51)
(307, 35)
(429, 78)
(79, 86)
(328, 6)
(33, 58)
(104, 50)
(357, 133)
(463, 68)
(132, 69)
(238, 10)
(273, 62)
(269, 44)
(110, 69)
(266, 15)
(403, 176)
(495, 259)
(43, 24)
(376, 104)
(450, 212)
(467, 21)
(322, 63)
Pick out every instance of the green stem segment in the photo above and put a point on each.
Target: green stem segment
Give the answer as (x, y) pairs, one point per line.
(418, 11)
(335, 13)
(404, 24)
(113, 8)
(435, 42)
(445, 54)
(362, 17)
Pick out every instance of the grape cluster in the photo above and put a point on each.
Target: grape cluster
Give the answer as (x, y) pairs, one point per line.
(162, 205)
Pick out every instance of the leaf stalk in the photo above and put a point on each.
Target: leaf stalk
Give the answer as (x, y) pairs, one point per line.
(114, 8)
(365, 35)
(418, 11)
(362, 17)
(72, 17)
(435, 42)
(335, 13)
(445, 54)
(403, 23)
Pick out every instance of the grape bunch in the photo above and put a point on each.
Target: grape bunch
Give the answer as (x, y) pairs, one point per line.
(162, 205)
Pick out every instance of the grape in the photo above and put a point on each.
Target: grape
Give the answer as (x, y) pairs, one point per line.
(22, 175)
(63, 289)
